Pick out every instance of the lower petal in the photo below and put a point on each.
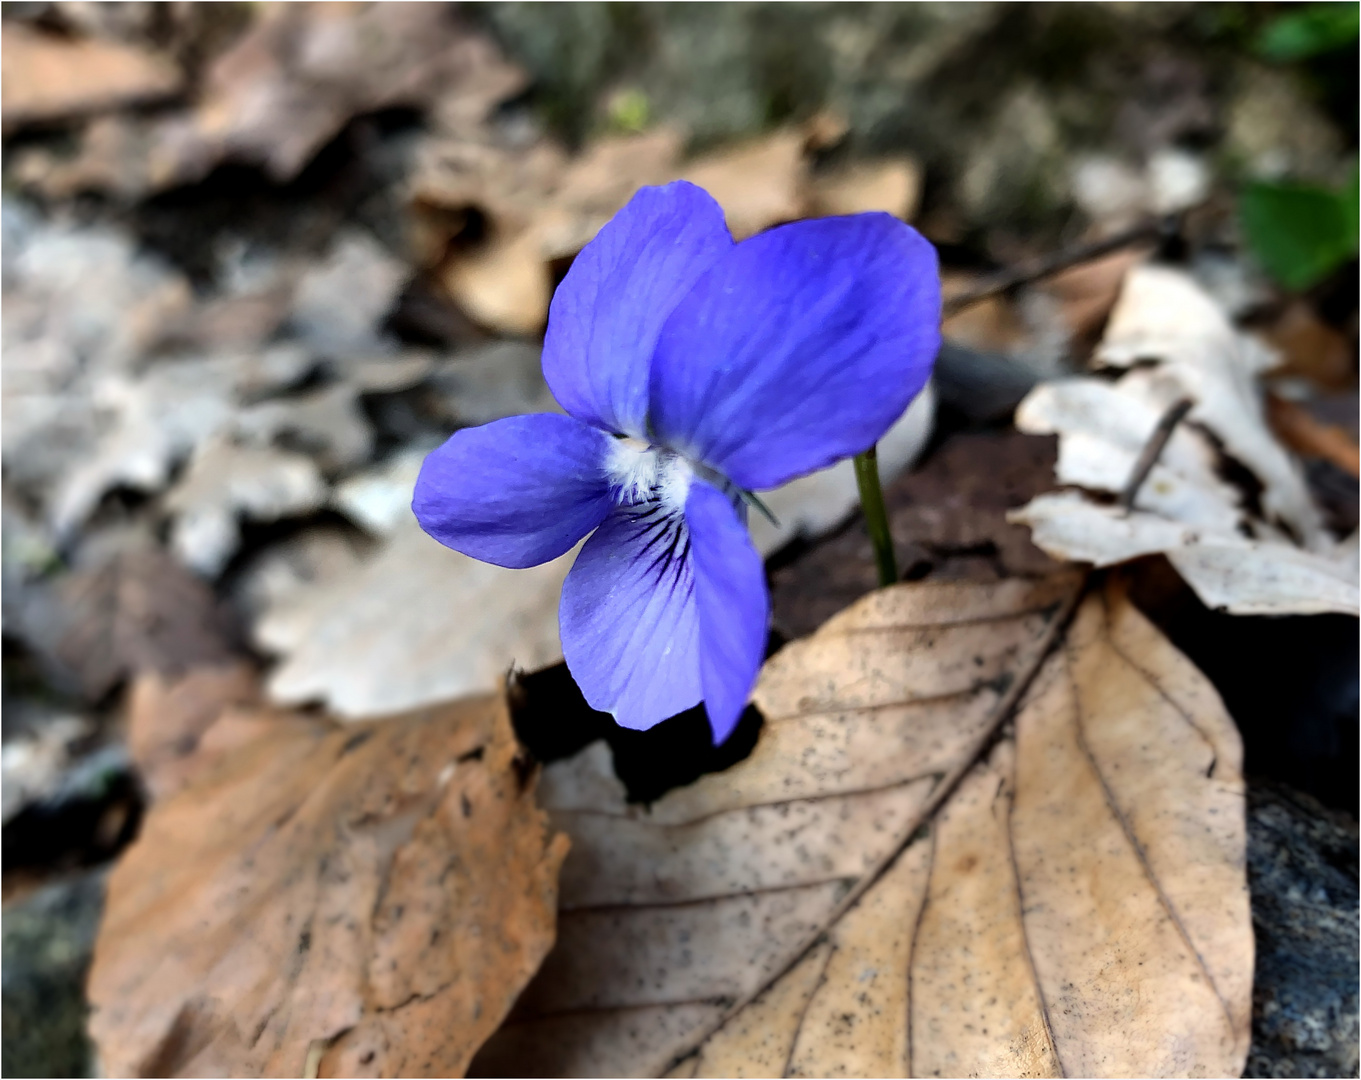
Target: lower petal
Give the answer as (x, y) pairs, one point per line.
(734, 607)
(629, 624)
(516, 492)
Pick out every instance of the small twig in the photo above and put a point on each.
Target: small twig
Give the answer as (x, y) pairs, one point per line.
(1049, 265)
(1148, 456)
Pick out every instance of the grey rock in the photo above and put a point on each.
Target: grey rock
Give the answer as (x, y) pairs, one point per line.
(1302, 870)
(47, 942)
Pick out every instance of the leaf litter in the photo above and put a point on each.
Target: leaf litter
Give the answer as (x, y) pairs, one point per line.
(907, 878)
(496, 244)
(371, 898)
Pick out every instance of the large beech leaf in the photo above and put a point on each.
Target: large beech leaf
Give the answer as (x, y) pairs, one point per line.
(364, 901)
(913, 874)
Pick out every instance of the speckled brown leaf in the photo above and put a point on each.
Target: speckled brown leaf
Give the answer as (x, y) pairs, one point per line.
(887, 887)
(167, 717)
(376, 895)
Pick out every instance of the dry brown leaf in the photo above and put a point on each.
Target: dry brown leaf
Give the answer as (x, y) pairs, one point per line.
(378, 893)
(168, 716)
(1077, 905)
(893, 185)
(1296, 427)
(1029, 329)
(503, 284)
(758, 184)
(539, 205)
(1087, 292)
(46, 77)
(138, 611)
(283, 89)
(1311, 348)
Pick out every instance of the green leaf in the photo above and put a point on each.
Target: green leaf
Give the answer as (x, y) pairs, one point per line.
(1317, 28)
(1300, 233)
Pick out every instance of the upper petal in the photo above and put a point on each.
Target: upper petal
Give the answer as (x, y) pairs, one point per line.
(628, 619)
(515, 492)
(798, 348)
(734, 607)
(607, 313)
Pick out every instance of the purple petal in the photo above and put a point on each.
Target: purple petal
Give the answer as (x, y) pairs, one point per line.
(734, 607)
(800, 347)
(607, 313)
(516, 492)
(628, 620)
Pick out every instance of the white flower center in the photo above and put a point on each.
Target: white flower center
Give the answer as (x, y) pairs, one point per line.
(640, 472)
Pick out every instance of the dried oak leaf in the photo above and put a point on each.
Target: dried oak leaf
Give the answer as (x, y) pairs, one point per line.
(888, 887)
(375, 896)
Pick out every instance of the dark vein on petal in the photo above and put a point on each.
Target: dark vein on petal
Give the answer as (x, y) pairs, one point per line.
(803, 1013)
(665, 559)
(1138, 848)
(916, 934)
(1020, 915)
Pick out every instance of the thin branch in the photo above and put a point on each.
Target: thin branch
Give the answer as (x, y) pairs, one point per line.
(1148, 456)
(1047, 266)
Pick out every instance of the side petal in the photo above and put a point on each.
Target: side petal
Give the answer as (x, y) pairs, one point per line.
(516, 492)
(800, 347)
(606, 315)
(628, 621)
(734, 606)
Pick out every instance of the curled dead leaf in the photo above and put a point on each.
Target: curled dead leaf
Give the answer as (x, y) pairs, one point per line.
(888, 887)
(1165, 317)
(1242, 551)
(383, 891)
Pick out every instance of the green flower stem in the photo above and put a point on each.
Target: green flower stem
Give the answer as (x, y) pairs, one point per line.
(876, 517)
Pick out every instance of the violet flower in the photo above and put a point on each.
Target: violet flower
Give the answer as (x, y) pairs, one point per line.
(693, 370)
